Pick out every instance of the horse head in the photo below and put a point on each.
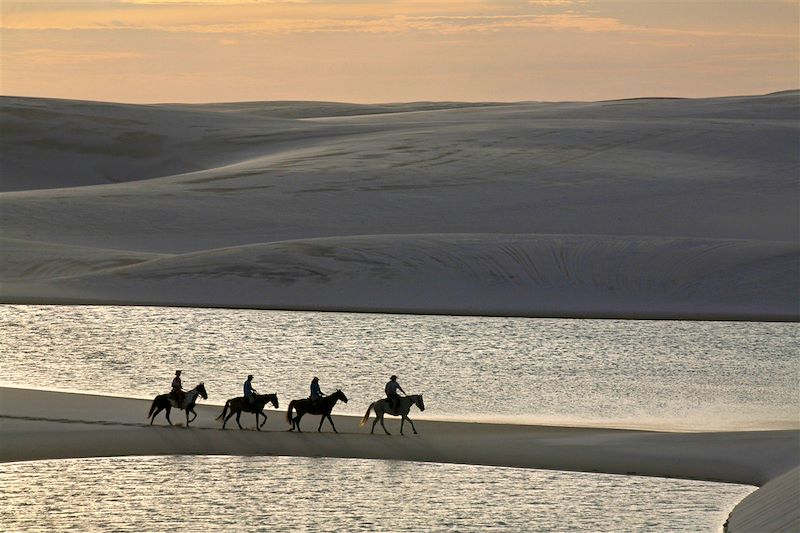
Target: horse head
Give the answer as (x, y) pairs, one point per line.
(273, 398)
(340, 395)
(419, 403)
(202, 390)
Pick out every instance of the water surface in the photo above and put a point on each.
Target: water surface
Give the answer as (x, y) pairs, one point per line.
(285, 494)
(664, 374)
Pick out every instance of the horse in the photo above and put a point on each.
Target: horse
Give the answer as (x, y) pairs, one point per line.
(323, 407)
(383, 407)
(163, 401)
(240, 404)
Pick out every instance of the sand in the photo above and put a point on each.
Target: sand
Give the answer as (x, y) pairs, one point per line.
(47, 425)
(644, 208)
(648, 208)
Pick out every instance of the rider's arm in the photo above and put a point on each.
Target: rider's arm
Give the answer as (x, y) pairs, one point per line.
(401, 389)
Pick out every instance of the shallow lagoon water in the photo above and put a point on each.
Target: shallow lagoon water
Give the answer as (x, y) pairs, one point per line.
(286, 494)
(686, 375)
(662, 374)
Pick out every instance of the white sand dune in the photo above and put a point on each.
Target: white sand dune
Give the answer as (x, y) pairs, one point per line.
(553, 275)
(636, 208)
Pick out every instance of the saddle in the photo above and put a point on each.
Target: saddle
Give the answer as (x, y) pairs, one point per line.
(175, 403)
(394, 403)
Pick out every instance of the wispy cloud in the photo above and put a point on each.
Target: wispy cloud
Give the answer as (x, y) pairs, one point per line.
(556, 2)
(211, 2)
(52, 57)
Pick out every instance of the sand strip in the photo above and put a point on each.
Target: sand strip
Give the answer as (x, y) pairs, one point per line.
(43, 425)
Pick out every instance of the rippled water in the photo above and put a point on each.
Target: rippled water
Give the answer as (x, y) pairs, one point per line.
(700, 375)
(299, 494)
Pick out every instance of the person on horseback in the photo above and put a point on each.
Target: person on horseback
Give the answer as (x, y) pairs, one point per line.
(177, 392)
(316, 392)
(249, 391)
(391, 392)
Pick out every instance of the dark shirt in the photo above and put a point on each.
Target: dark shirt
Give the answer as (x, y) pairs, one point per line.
(392, 388)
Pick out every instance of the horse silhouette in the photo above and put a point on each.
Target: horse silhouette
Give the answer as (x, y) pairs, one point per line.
(163, 402)
(240, 404)
(323, 407)
(383, 407)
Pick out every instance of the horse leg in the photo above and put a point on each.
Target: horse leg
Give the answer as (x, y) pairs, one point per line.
(167, 409)
(328, 416)
(405, 417)
(187, 416)
(154, 415)
(384, 425)
(227, 418)
(265, 418)
(257, 426)
(238, 414)
(297, 421)
(402, 421)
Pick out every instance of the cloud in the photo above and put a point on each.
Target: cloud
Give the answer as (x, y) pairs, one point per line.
(51, 57)
(445, 24)
(556, 2)
(211, 2)
(245, 18)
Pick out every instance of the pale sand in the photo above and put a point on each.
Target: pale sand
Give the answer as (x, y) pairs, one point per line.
(646, 208)
(49, 425)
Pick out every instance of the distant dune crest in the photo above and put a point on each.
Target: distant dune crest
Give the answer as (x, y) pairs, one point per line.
(650, 207)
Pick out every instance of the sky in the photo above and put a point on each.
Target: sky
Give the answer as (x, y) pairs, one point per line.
(369, 51)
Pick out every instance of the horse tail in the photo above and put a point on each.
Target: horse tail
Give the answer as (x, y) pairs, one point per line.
(289, 412)
(224, 411)
(366, 416)
(152, 407)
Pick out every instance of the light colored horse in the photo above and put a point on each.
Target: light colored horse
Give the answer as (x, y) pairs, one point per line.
(383, 407)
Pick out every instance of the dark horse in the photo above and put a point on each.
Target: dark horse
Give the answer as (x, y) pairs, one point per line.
(382, 407)
(323, 407)
(163, 401)
(240, 404)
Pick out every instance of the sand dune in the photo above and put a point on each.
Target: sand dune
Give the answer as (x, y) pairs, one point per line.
(553, 275)
(638, 208)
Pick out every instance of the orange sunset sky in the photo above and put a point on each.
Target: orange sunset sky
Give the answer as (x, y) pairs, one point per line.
(148, 51)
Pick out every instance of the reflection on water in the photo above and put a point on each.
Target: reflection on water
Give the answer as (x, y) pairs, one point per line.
(703, 375)
(299, 494)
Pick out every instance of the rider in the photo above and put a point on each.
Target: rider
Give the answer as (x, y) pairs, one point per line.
(316, 393)
(177, 393)
(249, 391)
(391, 392)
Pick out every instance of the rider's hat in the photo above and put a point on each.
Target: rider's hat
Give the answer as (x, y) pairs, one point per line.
(315, 378)
(393, 377)
(250, 376)
(177, 372)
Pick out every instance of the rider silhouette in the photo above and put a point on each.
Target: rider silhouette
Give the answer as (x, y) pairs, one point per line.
(177, 389)
(249, 391)
(316, 393)
(391, 392)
